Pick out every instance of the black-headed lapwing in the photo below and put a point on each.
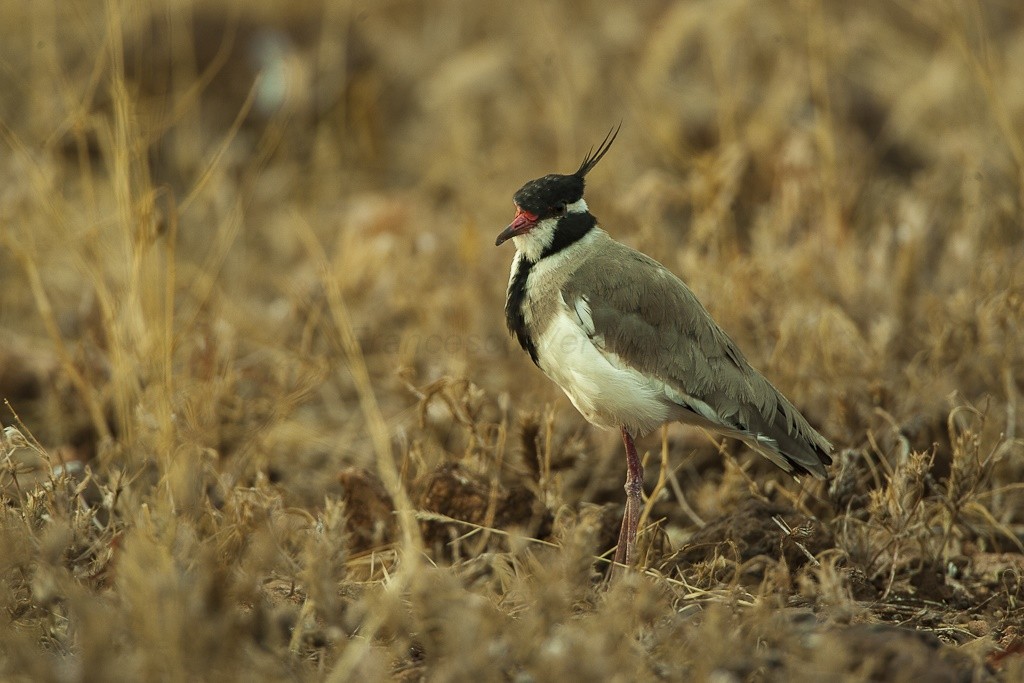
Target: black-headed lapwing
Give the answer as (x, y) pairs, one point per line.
(630, 344)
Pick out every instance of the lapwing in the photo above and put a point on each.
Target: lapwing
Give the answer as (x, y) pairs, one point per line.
(630, 344)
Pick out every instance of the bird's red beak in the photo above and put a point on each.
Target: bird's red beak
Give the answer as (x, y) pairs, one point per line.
(522, 223)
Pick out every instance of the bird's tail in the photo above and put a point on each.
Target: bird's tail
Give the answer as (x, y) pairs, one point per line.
(791, 443)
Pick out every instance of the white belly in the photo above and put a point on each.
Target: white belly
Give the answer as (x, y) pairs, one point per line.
(607, 392)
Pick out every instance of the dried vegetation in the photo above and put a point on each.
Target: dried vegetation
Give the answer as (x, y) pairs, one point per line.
(262, 418)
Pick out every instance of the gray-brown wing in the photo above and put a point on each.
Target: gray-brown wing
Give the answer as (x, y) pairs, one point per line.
(651, 321)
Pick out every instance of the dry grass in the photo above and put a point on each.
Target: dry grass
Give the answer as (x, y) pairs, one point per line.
(263, 419)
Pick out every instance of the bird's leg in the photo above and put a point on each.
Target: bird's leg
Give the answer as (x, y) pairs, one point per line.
(625, 552)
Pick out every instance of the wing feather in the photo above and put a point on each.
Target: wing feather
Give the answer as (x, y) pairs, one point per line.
(638, 310)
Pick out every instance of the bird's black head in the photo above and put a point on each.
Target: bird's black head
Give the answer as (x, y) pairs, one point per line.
(553, 195)
(549, 196)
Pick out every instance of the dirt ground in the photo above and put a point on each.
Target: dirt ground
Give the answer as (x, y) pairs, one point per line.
(262, 419)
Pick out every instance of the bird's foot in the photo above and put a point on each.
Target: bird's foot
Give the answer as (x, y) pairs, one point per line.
(625, 551)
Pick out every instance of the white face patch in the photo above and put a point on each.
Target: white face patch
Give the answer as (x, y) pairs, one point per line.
(532, 244)
(578, 206)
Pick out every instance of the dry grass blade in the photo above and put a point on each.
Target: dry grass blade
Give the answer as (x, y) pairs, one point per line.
(367, 398)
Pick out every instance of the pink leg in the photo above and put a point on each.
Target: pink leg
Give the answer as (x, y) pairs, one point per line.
(625, 552)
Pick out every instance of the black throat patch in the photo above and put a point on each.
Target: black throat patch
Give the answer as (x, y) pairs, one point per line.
(515, 300)
(571, 228)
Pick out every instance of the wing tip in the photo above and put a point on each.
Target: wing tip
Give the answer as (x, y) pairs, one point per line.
(812, 462)
(816, 468)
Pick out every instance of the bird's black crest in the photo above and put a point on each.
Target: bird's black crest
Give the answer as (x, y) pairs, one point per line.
(543, 196)
(590, 161)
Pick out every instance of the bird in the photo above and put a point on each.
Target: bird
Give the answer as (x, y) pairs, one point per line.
(630, 344)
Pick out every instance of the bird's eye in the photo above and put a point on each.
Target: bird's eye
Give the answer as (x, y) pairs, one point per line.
(558, 209)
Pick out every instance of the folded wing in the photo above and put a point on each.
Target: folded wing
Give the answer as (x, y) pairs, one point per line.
(648, 318)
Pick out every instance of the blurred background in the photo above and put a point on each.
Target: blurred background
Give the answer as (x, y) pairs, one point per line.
(248, 247)
(831, 180)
